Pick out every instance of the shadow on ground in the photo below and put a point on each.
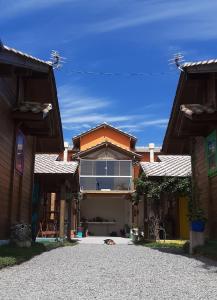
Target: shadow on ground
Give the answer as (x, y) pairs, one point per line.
(207, 262)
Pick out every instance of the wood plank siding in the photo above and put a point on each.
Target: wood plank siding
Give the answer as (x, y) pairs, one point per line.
(207, 188)
(15, 189)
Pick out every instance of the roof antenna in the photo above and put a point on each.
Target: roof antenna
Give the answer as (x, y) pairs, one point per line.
(56, 60)
(177, 60)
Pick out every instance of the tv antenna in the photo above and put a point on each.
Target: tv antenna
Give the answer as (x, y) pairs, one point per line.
(56, 60)
(177, 60)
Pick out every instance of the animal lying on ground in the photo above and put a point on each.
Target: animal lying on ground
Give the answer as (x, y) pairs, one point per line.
(109, 242)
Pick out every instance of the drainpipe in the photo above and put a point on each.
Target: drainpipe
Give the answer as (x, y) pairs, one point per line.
(151, 149)
(65, 154)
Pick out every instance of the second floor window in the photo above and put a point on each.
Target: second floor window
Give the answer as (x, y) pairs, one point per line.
(105, 174)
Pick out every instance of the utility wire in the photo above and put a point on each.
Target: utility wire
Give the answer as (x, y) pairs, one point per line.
(124, 74)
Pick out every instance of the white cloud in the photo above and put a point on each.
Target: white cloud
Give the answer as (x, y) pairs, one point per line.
(79, 112)
(153, 11)
(158, 122)
(13, 8)
(79, 108)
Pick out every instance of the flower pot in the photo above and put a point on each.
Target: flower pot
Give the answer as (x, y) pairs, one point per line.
(197, 226)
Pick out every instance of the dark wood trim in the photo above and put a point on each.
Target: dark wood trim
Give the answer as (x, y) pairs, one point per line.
(16, 59)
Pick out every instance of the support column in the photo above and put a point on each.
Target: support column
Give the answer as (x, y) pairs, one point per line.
(62, 210)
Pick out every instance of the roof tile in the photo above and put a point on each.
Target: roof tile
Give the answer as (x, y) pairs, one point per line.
(48, 164)
(169, 165)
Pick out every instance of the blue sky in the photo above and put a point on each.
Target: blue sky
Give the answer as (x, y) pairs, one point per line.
(119, 36)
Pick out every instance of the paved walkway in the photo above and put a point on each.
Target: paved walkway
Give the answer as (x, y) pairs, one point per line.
(99, 240)
(110, 272)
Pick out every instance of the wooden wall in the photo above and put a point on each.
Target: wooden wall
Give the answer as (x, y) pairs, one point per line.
(207, 187)
(15, 189)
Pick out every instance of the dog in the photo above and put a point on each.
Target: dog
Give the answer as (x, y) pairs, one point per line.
(109, 242)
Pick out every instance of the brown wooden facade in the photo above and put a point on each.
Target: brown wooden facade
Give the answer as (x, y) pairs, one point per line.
(23, 79)
(188, 130)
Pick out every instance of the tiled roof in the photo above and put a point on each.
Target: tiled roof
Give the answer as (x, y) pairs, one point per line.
(199, 63)
(197, 109)
(169, 165)
(34, 107)
(48, 164)
(25, 55)
(102, 125)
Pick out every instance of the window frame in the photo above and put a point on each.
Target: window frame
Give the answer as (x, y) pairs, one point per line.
(212, 137)
(19, 170)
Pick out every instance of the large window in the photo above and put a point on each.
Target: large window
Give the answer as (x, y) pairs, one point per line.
(105, 174)
(211, 153)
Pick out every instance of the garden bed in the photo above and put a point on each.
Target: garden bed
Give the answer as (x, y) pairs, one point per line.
(12, 255)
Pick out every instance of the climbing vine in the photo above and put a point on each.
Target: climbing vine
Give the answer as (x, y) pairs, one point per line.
(154, 188)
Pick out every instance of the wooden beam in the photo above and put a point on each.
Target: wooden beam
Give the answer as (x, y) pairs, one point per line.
(16, 59)
(28, 116)
(62, 210)
(6, 70)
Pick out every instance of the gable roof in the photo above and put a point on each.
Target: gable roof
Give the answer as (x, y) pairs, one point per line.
(15, 61)
(106, 144)
(200, 63)
(101, 126)
(48, 164)
(189, 106)
(23, 60)
(169, 165)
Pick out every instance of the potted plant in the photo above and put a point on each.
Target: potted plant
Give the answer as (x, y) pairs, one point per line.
(197, 219)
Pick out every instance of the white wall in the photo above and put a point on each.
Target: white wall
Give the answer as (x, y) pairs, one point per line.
(107, 207)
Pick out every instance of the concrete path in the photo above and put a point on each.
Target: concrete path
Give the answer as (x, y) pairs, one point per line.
(128, 272)
(99, 240)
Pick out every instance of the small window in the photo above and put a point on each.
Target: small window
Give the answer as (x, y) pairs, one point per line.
(211, 153)
(19, 155)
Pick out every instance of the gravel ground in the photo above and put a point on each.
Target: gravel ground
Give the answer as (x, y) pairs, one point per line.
(110, 272)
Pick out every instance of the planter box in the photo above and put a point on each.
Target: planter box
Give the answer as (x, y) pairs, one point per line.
(198, 226)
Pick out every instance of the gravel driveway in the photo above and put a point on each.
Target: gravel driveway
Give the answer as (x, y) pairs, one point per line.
(109, 272)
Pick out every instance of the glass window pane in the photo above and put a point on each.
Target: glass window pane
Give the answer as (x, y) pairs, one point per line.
(86, 167)
(20, 152)
(100, 168)
(122, 184)
(125, 168)
(113, 168)
(105, 183)
(212, 162)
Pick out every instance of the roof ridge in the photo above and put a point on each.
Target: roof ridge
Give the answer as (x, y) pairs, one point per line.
(100, 125)
(26, 55)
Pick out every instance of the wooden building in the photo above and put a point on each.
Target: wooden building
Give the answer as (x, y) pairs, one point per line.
(192, 130)
(29, 123)
(55, 198)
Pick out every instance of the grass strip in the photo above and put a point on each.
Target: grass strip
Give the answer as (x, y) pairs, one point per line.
(12, 255)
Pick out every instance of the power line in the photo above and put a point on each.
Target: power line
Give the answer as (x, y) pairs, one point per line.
(122, 74)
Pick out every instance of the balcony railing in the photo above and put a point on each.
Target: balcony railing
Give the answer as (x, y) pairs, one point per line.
(106, 175)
